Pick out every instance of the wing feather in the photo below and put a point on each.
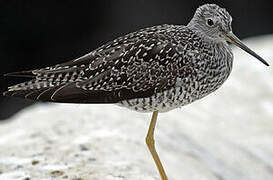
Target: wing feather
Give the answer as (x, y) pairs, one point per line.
(133, 66)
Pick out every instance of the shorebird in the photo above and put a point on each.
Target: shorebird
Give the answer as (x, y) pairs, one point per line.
(155, 69)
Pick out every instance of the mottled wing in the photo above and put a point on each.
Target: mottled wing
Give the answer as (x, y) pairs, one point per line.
(133, 66)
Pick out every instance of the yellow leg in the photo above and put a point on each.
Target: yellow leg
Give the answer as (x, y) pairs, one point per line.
(151, 145)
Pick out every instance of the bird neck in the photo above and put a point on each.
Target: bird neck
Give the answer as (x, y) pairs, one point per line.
(223, 54)
(194, 25)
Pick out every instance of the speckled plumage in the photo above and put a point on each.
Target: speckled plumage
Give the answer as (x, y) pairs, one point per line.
(154, 70)
(157, 68)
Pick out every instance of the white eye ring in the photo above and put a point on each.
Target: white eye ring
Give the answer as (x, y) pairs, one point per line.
(210, 22)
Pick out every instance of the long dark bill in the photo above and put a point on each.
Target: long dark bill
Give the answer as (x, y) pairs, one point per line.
(230, 37)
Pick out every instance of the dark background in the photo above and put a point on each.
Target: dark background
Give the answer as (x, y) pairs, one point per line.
(34, 34)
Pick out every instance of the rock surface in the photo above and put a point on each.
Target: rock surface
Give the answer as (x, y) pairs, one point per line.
(226, 136)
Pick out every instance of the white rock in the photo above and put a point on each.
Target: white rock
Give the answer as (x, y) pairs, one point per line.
(227, 136)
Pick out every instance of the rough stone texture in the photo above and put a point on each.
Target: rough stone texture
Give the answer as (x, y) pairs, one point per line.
(226, 136)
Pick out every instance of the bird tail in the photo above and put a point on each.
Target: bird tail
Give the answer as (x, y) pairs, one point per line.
(63, 93)
(21, 74)
(59, 83)
(33, 89)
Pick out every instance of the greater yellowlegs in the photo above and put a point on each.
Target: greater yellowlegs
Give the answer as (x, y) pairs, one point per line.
(155, 69)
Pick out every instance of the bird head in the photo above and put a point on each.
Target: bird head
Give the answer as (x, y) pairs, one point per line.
(214, 23)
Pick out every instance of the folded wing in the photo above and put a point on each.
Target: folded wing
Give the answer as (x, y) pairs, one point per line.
(133, 66)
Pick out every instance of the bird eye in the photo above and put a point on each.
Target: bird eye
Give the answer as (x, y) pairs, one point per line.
(210, 22)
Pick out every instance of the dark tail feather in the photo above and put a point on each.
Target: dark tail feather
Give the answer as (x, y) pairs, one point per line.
(35, 94)
(66, 93)
(19, 93)
(7, 93)
(21, 74)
